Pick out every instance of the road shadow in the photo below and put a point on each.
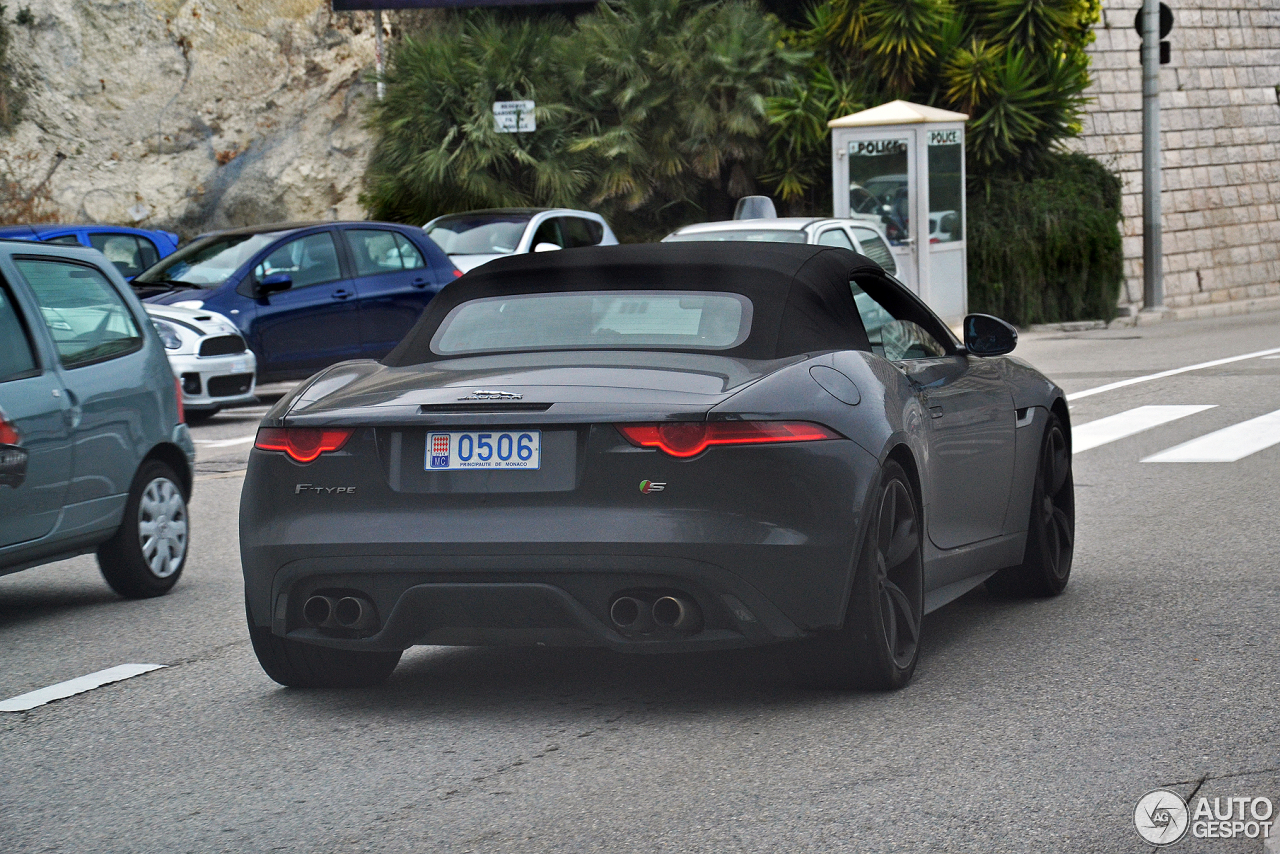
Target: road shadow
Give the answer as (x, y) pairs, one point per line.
(23, 605)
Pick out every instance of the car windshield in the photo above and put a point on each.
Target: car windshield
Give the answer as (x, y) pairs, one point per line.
(595, 320)
(478, 234)
(759, 235)
(207, 264)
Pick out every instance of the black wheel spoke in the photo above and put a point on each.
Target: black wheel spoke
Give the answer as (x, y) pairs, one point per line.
(903, 545)
(903, 610)
(1057, 461)
(1062, 525)
(888, 520)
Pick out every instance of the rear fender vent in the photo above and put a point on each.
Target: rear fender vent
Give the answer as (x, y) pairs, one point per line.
(496, 406)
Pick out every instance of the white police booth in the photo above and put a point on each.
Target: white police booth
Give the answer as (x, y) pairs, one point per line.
(903, 164)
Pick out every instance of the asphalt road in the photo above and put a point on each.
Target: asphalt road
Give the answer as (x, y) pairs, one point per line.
(1030, 726)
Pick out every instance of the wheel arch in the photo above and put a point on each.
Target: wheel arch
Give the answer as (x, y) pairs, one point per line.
(173, 456)
(902, 455)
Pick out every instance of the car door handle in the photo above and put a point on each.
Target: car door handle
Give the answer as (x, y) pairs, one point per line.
(420, 282)
(341, 293)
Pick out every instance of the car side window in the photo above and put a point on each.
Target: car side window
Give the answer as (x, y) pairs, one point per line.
(410, 257)
(310, 260)
(87, 318)
(129, 253)
(65, 240)
(17, 358)
(548, 232)
(892, 333)
(875, 249)
(835, 237)
(374, 250)
(580, 232)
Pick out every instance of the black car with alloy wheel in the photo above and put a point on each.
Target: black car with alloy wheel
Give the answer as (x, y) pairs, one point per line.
(656, 448)
(94, 454)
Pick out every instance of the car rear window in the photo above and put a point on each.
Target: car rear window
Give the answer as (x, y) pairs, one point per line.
(478, 234)
(753, 235)
(595, 320)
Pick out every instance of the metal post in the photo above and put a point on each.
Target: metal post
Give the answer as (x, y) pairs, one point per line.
(1152, 251)
(377, 43)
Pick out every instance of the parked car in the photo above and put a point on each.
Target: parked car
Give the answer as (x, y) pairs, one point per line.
(94, 454)
(132, 250)
(208, 355)
(860, 235)
(306, 296)
(477, 237)
(656, 448)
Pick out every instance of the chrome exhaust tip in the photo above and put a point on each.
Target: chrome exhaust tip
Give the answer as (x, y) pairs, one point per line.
(352, 612)
(318, 611)
(628, 612)
(675, 612)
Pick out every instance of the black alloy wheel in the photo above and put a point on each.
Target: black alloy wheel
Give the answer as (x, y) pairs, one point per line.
(879, 644)
(1051, 527)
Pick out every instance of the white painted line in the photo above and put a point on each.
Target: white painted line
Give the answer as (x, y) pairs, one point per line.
(1135, 380)
(1271, 357)
(224, 443)
(1125, 424)
(1226, 445)
(28, 701)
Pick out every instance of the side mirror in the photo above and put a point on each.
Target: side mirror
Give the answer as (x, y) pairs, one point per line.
(275, 282)
(545, 247)
(985, 335)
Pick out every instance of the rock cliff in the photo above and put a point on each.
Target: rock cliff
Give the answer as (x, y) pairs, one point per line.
(194, 115)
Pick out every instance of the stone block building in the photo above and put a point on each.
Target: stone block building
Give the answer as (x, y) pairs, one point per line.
(1220, 132)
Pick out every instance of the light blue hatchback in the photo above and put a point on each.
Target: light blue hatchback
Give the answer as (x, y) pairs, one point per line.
(94, 454)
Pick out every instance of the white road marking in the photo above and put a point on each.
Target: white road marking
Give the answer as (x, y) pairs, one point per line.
(1226, 445)
(1271, 357)
(1135, 380)
(224, 443)
(28, 701)
(1125, 424)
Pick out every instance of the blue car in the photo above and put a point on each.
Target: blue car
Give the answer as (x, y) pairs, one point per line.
(94, 454)
(132, 250)
(307, 296)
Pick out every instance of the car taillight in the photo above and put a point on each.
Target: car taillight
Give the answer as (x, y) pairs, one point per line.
(302, 444)
(8, 433)
(457, 274)
(690, 438)
(177, 389)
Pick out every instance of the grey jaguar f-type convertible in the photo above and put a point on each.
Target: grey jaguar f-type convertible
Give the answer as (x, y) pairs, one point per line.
(656, 448)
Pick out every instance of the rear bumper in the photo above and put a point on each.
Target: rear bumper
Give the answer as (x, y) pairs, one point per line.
(760, 567)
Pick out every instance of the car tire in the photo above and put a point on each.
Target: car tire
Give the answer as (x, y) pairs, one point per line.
(879, 644)
(1046, 564)
(295, 664)
(147, 553)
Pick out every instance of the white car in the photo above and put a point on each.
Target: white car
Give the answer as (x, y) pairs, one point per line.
(475, 237)
(862, 236)
(209, 357)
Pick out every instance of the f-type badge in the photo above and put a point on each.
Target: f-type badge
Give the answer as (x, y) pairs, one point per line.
(484, 394)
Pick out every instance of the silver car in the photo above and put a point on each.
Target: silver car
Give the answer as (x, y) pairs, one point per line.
(209, 357)
(862, 236)
(477, 237)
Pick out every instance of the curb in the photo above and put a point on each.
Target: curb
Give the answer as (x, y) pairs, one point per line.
(1232, 308)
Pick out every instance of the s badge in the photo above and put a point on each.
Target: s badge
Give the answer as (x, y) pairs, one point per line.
(647, 486)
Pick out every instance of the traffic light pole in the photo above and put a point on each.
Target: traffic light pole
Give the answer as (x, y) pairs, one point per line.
(1152, 251)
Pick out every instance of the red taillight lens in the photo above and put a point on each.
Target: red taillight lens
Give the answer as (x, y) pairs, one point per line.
(8, 433)
(690, 438)
(457, 274)
(177, 389)
(302, 444)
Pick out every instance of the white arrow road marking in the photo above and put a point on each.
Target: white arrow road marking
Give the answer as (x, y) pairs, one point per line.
(1128, 423)
(1226, 445)
(224, 443)
(1135, 380)
(28, 701)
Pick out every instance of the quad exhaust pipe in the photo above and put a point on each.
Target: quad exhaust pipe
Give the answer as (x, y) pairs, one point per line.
(346, 612)
(675, 613)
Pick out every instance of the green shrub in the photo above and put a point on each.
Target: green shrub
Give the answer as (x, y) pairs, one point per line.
(1046, 248)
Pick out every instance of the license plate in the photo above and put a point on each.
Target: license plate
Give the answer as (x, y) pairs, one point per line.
(494, 449)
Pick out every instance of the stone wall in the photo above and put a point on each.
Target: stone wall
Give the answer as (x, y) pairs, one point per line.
(194, 115)
(1220, 131)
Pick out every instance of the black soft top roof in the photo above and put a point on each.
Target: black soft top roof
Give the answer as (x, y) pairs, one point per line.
(799, 293)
